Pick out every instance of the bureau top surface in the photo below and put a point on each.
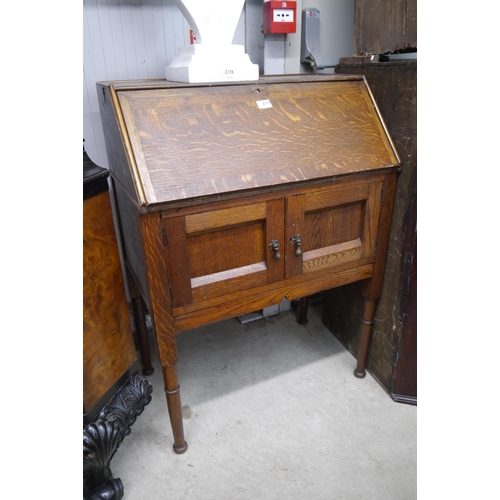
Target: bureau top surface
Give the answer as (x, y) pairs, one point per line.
(189, 141)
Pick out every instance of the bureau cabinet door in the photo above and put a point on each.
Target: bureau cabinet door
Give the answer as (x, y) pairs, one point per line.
(336, 226)
(213, 253)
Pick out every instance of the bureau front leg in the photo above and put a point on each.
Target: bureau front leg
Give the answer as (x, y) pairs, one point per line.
(172, 391)
(161, 315)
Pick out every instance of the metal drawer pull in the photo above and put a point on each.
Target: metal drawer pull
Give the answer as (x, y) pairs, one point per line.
(297, 241)
(275, 245)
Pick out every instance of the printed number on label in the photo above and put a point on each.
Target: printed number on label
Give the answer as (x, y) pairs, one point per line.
(266, 103)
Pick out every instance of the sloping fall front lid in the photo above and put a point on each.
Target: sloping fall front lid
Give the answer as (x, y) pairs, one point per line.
(193, 141)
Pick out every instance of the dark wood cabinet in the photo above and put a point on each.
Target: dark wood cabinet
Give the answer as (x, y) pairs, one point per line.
(114, 395)
(392, 358)
(385, 26)
(233, 196)
(109, 356)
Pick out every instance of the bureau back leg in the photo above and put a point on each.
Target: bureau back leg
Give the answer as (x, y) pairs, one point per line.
(304, 305)
(140, 324)
(365, 333)
(142, 335)
(172, 390)
(372, 287)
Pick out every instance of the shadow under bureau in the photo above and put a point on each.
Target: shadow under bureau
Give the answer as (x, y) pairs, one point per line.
(232, 196)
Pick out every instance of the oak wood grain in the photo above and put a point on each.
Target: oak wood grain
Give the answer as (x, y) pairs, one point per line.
(108, 345)
(301, 282)
(261, 297)
(161, 306)
(220, 178)
(225, 143)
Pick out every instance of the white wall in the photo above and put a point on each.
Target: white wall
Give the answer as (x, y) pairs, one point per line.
(124, 39)
(128, 39)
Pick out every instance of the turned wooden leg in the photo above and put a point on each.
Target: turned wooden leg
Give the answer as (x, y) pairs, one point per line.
(304, 304)
(365, 333)
(174, 407)
(142, 335)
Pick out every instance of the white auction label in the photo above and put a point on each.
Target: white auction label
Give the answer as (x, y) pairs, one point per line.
(266, 103)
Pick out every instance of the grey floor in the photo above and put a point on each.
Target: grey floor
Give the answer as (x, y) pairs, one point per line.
(271, 410)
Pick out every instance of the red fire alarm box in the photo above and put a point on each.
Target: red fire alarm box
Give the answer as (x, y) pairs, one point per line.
(280, 17)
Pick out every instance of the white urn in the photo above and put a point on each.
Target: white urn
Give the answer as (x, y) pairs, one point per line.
(213, 58)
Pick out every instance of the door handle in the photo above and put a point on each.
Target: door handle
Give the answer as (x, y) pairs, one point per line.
(297, 241)
(275, 245)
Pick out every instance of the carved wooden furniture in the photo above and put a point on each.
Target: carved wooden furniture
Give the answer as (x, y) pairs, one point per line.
(103, 436)
(113, 394)
(109, 356)
(233, 196)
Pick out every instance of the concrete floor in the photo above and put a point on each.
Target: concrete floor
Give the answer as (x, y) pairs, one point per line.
(271, 410)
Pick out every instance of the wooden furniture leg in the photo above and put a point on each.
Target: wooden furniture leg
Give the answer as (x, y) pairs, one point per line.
(372, 288)
(304, 305)
(365, 333)
(140, 324)
(142, 335)
(174, 407)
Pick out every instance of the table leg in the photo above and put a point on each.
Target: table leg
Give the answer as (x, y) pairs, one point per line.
(365, 333)
(372, 287)
(174, 407)
(142, 335)
(304, 305)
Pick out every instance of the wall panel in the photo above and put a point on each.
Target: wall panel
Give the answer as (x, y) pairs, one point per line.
(124, 39)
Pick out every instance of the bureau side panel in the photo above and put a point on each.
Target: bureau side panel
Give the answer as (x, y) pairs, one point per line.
(115, 150)
(131, 238)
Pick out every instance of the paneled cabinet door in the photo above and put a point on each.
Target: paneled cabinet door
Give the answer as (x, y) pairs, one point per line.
(217, 252)
(334, 225)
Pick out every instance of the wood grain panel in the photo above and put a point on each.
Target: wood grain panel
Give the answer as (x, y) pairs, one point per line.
(295, 224)
(384, 26)
(161, 306)
(177, 252)
(226, 143)
(131, 238)
(106, 320)
(335, 196)
(118, 162)
(265, 296)
(214, 219)
(331, 227)
(296, 281)
(222, 250)
(228, 282)
(372, 215)
(275, 231)
(334, 255)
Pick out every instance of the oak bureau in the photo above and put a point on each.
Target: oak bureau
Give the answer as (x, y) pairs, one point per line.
(232, 196)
